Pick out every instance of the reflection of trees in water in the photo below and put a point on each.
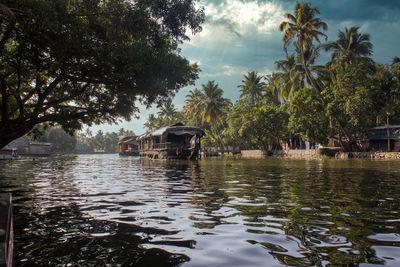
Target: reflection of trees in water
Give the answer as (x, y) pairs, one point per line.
(338, 208)
(51, 230)
(63, 235)
(181, 174)
(330, 208)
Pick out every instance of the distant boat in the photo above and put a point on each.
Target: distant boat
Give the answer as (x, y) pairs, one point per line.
(172, 142)
(127, 146)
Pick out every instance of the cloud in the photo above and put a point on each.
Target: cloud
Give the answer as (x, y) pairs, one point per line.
(226, 70)
(240, 17)
(237, 33)
(240, 36)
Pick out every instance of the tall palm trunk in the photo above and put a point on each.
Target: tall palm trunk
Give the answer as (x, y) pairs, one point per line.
(318, 91)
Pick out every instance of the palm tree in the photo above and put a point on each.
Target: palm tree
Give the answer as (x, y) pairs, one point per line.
(303, 25)
(192, 109)
(293, 73)
(273, 88)
(350, 46)
(152, 123)
(252, 86)
(212, 104)
(292, 77)
(167, 111)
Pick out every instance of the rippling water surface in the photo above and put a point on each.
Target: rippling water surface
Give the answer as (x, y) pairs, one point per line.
(96, 210)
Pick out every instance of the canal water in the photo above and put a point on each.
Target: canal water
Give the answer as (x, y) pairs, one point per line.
(107, 210)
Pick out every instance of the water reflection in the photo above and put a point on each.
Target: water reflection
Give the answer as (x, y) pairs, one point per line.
(105, 209)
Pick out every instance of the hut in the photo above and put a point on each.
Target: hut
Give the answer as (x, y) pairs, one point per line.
(39, 149)
(127, 146)
(29, 148)
(379, 138)
(8, 152)
(172, 142)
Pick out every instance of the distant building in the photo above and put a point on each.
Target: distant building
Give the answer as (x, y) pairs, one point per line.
(8, 152)
(25, 147)
(379, 138)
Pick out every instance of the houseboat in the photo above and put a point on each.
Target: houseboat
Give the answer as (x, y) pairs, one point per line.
(172, 142)
(127, 146)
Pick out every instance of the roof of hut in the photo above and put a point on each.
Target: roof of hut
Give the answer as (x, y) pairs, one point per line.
(128, 140)
(177, 129)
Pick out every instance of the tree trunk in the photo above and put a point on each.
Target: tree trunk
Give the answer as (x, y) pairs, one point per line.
(388, 133)
(11, 130)
(317, 90)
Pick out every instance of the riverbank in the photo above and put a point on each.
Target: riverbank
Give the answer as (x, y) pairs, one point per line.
(319, 153)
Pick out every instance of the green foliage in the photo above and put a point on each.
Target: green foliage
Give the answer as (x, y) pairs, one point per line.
(358, 96)
(167, 115)
(207, 108)
(123, 132)
(60, 140)
(303, 25)
(234, 134)
(351, 46)
(214, 135)
(213, 104)
(252, 87)
(308, 116)
(89, 61)
(107, 142)
(193, 108)
(260, 126)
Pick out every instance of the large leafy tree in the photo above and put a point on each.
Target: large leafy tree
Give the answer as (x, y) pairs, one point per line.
(350, 46)
(260, 126)
(360, 94)
(308, 116)
(59, 139)
(89, 61)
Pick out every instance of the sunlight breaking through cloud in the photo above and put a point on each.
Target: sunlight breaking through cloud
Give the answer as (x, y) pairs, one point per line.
(241, 17)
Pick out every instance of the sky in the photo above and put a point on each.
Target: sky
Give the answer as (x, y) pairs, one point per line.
(240, 36)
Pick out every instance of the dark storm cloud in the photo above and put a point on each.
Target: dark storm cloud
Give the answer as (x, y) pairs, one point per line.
(356, 10)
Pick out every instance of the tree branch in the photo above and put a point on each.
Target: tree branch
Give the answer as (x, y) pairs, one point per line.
(6, 36)
(4, 102)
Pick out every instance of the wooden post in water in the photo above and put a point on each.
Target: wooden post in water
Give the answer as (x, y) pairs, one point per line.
(6, 231)
(388, 132)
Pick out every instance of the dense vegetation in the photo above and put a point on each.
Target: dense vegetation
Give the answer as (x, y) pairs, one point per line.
(342, 99)
(82, 142)
(89, 61)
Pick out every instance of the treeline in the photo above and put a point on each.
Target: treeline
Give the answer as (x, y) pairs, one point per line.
(342, 99)
(81, 142)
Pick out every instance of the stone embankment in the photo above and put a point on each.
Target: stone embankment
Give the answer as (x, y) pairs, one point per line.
(297, 154)
(318, 153)
(368, 155)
